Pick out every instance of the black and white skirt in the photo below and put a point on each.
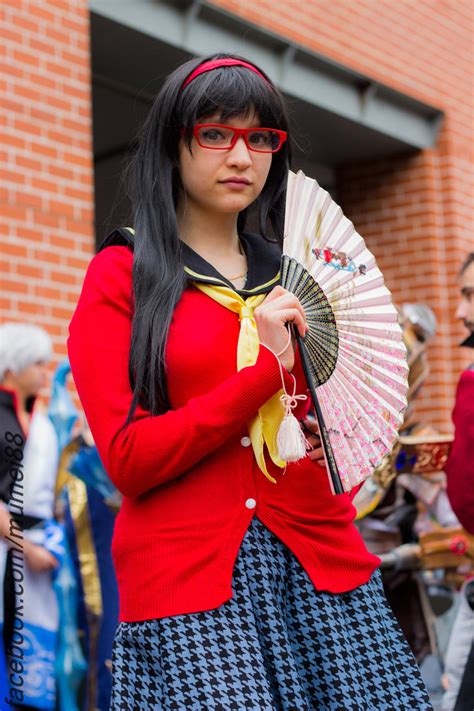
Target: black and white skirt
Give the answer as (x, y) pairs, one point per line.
(277, 645)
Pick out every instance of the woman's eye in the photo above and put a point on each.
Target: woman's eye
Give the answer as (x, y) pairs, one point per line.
(212, 134)
(260, 138)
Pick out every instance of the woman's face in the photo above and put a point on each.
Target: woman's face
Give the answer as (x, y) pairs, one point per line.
(204, 172)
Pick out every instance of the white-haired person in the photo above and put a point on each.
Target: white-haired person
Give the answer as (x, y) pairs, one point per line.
(28, 471)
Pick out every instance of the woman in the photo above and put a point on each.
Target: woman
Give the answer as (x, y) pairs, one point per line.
(242, 585)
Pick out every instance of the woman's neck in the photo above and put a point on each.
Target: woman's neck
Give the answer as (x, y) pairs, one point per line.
(209, 234)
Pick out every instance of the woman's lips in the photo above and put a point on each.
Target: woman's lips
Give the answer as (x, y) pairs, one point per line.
(235, 184)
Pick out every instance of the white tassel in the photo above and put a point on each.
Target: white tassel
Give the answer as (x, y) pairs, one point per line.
(291, 441)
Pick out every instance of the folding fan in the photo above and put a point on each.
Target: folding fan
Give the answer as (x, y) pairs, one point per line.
(353, 355)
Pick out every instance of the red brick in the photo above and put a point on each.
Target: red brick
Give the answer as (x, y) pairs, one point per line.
(29, 163)
(39, 78)
(61, 277)
(57, 36)
(61, 172)
(40, 12)
(46, 219)
(65, 244)
(40, 46)
(43, 291)
(61, 208)
(26, 270)
(44, 150)
(46, 185)
(12, 285)
(25, 59)
(81, 160)
(62, 313)
(10, 34)
(7, 139)
(28, 198)
(12, 176)
(14, 250)
(45, 256)
(26, 24)
(84, 195)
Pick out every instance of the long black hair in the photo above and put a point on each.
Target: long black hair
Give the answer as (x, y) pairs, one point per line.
(153, 184)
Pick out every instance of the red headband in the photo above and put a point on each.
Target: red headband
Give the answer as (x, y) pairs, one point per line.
(215, 64)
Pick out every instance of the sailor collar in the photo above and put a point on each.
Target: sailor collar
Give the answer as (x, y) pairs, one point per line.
(263, 261)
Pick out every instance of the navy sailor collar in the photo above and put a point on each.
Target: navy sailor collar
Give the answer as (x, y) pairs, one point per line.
(263, 260)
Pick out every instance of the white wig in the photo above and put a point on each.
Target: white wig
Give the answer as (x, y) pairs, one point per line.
(21, 345)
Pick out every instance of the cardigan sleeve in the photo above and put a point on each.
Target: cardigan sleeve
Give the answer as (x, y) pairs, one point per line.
(153, 449)
(460, 465)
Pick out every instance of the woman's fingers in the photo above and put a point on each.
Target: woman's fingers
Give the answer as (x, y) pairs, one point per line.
(279, 299)
(275, 293)
(317, 455)
(295, 316)
(314, 439)
(272, 317)
(311, 424)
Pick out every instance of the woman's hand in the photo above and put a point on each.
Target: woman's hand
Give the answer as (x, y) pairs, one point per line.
(38, 558)
(314, 438)
(279, 307)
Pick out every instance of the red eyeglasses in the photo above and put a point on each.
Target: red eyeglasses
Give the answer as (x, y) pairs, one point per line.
(221, 137)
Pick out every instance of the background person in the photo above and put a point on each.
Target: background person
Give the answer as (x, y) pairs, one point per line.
(460, 473)
(460, 465)
(27, 436)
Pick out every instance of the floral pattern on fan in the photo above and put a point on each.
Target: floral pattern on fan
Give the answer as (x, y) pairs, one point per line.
(339, 260)
(353, 354)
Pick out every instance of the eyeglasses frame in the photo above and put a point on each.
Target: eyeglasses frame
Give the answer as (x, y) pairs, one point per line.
(237, 133)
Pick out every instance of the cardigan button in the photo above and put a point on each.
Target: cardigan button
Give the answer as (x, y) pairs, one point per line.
(245, 441)
(250, 503)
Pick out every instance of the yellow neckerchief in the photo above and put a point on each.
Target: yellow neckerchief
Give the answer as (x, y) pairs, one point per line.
(264, 426)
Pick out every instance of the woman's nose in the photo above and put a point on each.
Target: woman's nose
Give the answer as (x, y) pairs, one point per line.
(239, 154)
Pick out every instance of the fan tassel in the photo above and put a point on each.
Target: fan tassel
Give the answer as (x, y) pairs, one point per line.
(291, 441)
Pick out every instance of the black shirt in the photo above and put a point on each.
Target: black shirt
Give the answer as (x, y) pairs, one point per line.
(12, 440)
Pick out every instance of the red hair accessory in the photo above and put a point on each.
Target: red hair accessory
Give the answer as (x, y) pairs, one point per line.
(215, 64)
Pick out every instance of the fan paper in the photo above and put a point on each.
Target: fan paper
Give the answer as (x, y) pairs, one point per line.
(354, 350)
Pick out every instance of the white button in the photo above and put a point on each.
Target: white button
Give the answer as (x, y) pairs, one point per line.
(245, 441)
(250, 503)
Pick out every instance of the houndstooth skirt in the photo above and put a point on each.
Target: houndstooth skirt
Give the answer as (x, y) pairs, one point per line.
(277, 645)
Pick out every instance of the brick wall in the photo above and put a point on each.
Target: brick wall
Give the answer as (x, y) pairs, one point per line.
(415, 213)
(46, 158)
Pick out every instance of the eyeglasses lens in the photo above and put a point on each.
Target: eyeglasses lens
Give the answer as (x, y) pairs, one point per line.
(264, 140)
(218, 137)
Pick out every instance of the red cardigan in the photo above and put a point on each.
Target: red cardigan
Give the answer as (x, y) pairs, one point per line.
(460, 465)
(189, 477)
